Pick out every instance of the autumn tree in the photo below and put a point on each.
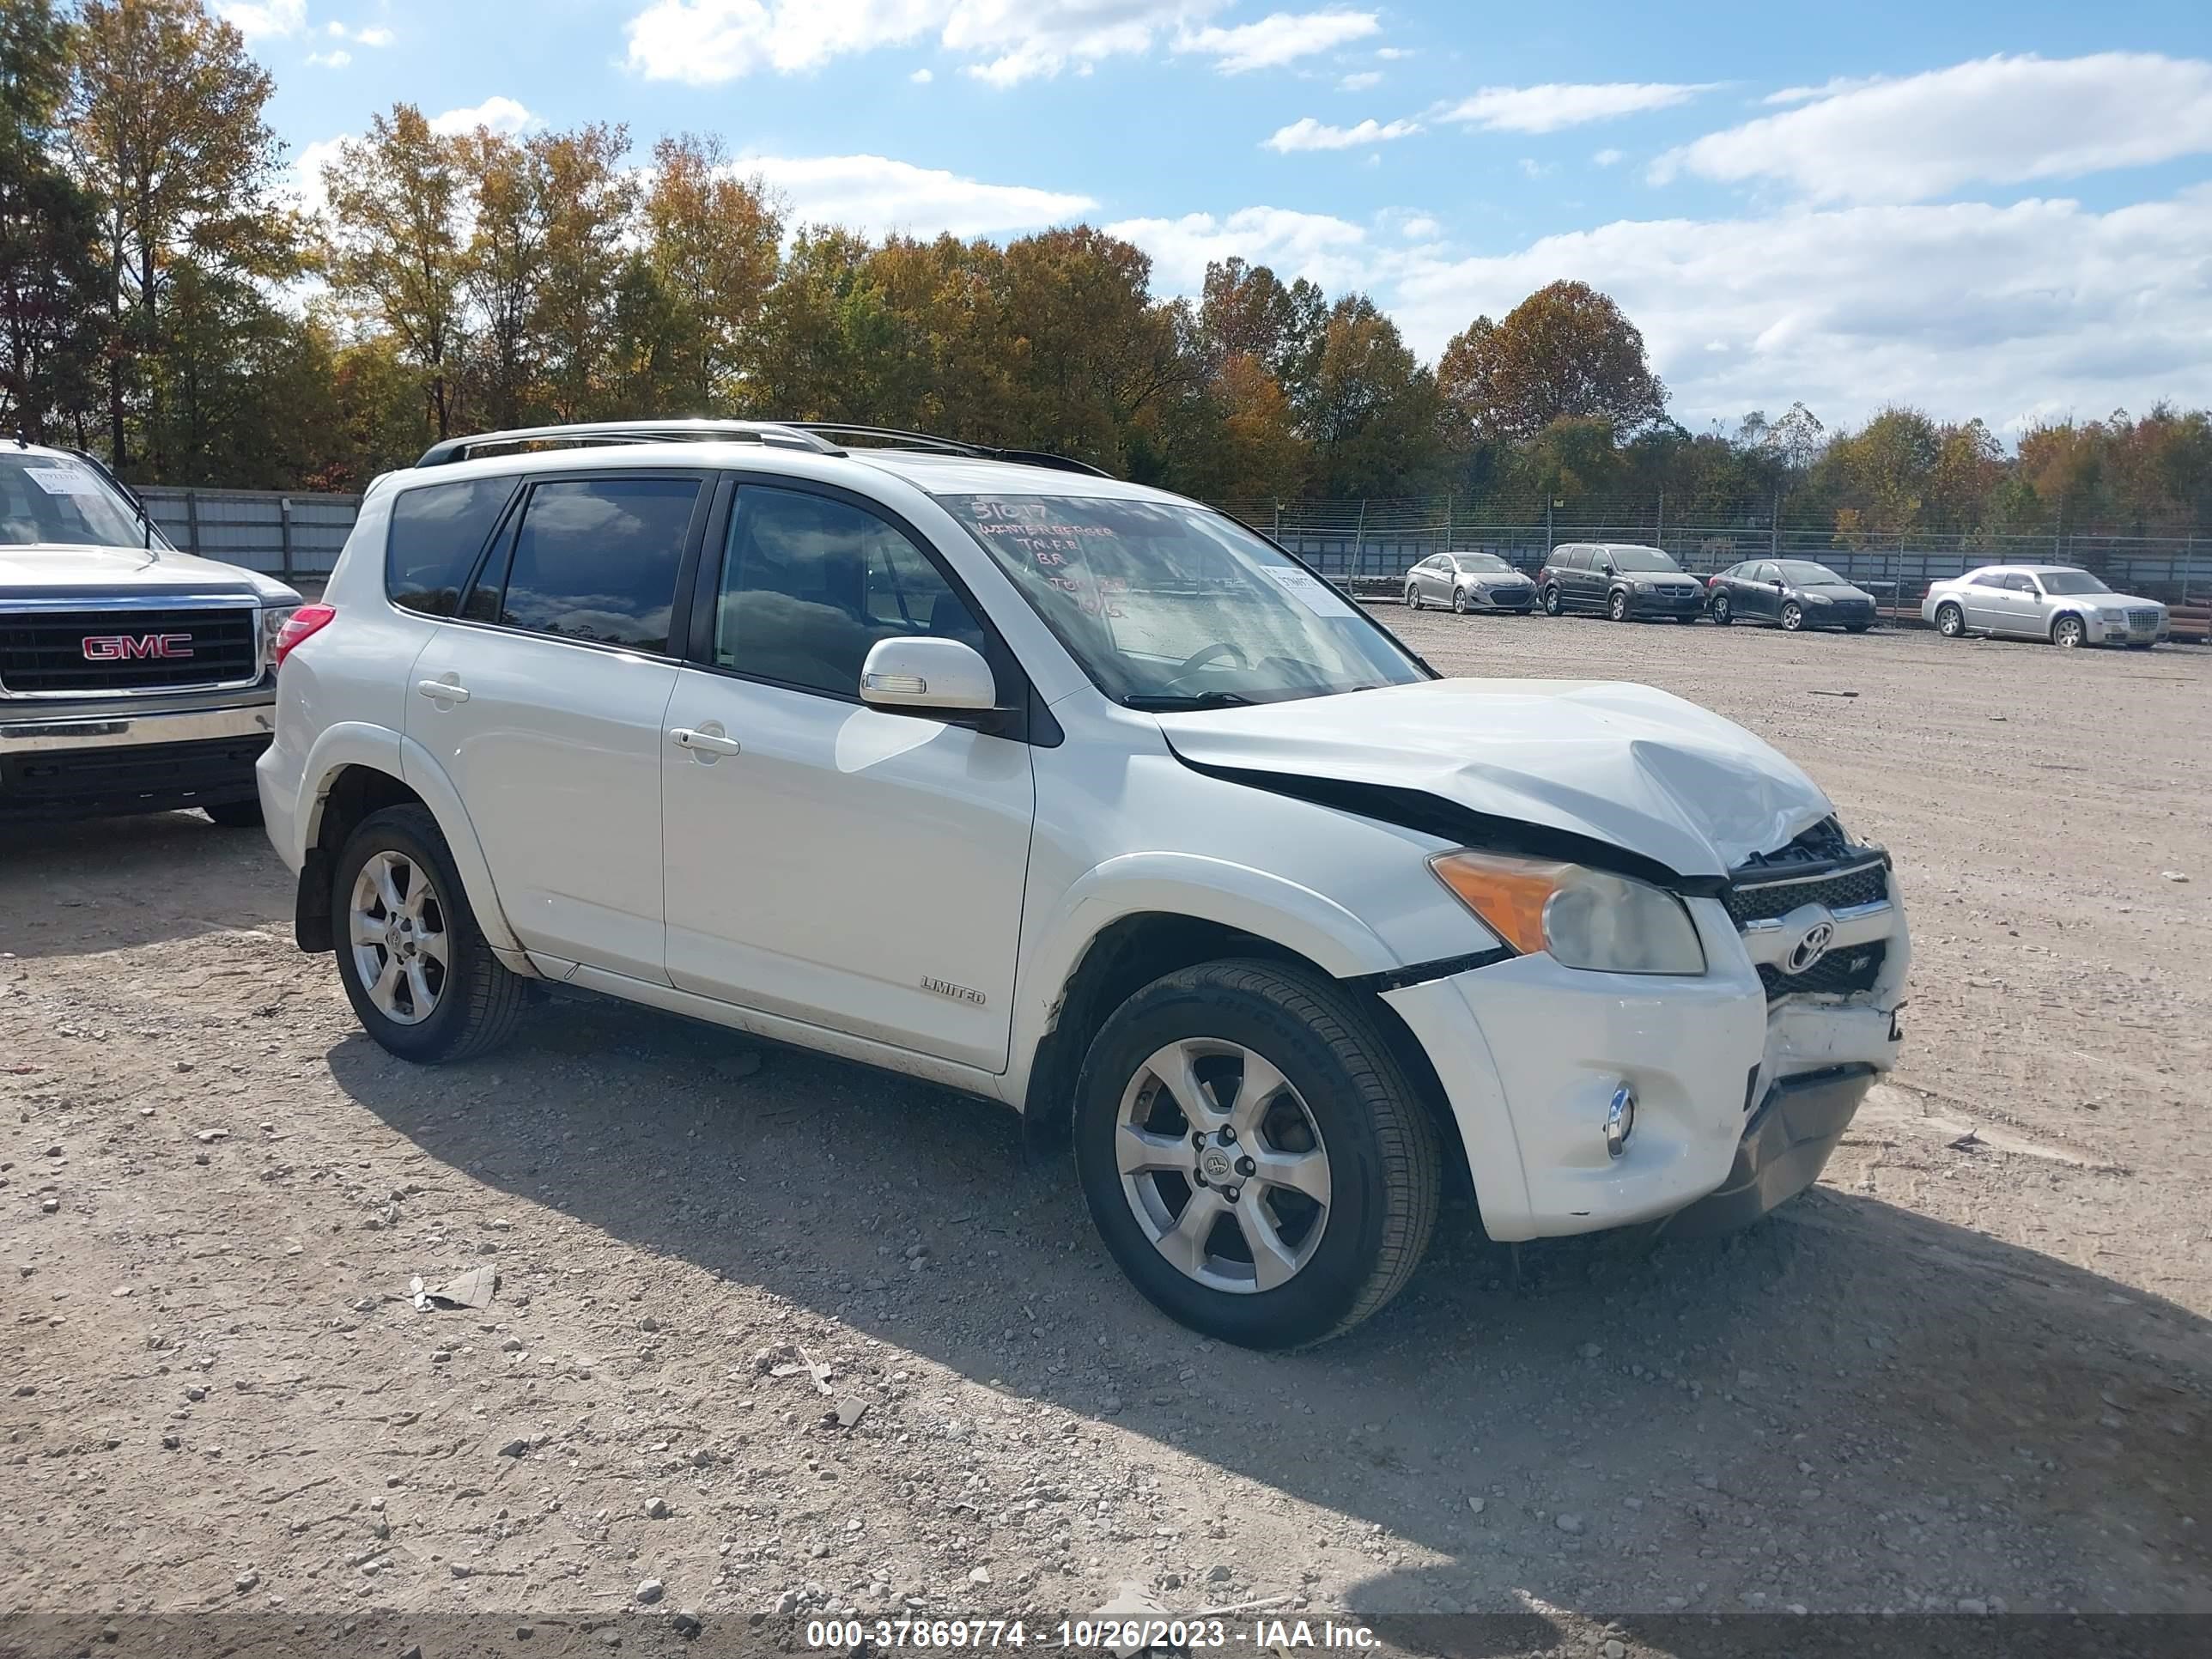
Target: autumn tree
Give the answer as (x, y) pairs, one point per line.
(589, 199)
(1373, 412)
(1246, 310)
(500, 268)
(52, 298)
(167, 129)
(712, 245)
(397, 257)
(1096, 350)
(1567, 351)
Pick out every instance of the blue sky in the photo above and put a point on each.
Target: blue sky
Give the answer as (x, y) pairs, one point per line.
(1982, 209)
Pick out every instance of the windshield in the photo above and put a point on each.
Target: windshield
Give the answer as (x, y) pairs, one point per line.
(54, 498)
(1803, 572)
(1170, 607)
(1487, 564)
(2071, 582)
(1640, 558)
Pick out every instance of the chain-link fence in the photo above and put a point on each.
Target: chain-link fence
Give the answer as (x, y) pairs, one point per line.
(1378, 540)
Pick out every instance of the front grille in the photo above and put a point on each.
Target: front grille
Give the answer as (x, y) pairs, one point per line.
(2141, 620)
(1840, 973)
(1863, 885)
(45, 651)
(149, 778)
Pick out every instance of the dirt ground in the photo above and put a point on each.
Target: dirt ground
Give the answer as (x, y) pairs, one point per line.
(1968, 1373)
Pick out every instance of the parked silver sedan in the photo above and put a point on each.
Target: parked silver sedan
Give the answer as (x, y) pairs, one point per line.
(2060, 602)
(1468, 582)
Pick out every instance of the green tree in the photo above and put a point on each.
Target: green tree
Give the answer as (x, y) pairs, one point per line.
(167, 129)
(713, 243)
(1372, 415)
(396, 256)
(52, 295)
(589, 200)
(500, 268)
(1567, 351)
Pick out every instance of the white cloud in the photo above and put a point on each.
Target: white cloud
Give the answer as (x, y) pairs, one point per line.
(2012, 311)
(374, 37)
(1997, 120)
(1360, 81)
(502, 115)
(1551, 107)
(1310, 134)
(1420, 228)
(306, 182)
(1609, 158)
(874, 194)
(1280, 38)
(1330, 251)
(921, 77)
(1391, 54)
(1532, 168)
(255, 19)
(705, 42)
(337, 59)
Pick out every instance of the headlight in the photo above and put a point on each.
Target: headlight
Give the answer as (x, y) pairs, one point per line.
(1584, 918)
(273, 618)
(1818, 598)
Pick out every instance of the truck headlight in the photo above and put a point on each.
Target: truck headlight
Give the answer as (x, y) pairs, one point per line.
(1584, 918)
(273, 618)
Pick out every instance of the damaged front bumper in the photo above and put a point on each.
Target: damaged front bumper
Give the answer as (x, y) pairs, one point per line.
(1744, 1078)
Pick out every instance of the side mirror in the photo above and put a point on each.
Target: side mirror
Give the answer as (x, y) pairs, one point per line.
(923, 673)
(1779, 584)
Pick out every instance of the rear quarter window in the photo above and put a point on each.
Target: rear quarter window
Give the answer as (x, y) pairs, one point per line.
(437, 531)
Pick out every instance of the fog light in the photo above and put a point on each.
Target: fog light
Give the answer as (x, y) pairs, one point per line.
(1620, 1120)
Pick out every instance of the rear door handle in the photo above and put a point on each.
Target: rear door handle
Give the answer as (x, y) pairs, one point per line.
(443, 690)
(705, 743)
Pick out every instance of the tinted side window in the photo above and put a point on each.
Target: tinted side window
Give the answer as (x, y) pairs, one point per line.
(809, 584)
(596, 559)
(437, 534)
(2021, 584)
(1989, 579)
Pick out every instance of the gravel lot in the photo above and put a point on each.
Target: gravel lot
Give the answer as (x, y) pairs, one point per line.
(1955, 1377)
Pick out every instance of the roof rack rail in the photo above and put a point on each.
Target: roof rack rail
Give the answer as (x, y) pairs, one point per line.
(895, 437)
(779, 434)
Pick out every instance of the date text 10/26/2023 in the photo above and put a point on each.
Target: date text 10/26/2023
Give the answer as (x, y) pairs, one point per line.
(1107, 1635)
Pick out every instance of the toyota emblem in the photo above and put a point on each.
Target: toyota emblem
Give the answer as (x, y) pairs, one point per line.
(1812, 944)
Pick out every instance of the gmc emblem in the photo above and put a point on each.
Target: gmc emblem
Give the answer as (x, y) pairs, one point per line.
(125, 647)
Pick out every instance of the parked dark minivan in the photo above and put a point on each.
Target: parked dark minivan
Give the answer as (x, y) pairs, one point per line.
(1620, 580)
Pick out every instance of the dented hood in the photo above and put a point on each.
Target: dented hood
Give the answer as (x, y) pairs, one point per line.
(1628, 766)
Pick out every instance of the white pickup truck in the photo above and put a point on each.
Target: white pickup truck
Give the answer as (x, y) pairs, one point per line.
(133, 678)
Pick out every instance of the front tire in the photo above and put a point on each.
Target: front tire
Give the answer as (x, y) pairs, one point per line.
(1616, 606)
(1793, 616)
(1459, 601)
(1294, 1210)
(1950, 621)
(415, 967)
(1552, 606)
(2068, 633)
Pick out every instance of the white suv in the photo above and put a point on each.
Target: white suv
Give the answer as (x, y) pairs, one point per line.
(986, 768)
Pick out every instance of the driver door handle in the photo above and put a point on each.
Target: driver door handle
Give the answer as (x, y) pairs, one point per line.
(706, 743)
(443, 690)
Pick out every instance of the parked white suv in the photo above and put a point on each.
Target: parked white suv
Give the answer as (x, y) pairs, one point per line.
(1085, 798)
(133, 678)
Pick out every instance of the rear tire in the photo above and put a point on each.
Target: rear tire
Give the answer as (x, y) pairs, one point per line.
(1412, 598)
(235, 814)
(1950, 621)
(447, 997)
(1552, 606)
(1335, 1091)
(1857, 628)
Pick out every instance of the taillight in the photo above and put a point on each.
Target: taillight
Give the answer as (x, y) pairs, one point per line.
(307, 619)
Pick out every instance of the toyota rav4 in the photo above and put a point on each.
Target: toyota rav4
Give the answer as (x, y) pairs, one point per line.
(985, 767)
(133, 678)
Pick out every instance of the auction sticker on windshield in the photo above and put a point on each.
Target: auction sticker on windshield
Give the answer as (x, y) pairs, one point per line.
(63, 481)
(1310, 591)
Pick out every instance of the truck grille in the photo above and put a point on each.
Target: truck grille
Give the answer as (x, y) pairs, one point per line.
(1840, 973)
(1863, 885)
(98, 651)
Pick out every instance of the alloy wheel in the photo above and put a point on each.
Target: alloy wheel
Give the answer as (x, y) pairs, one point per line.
(1617, 607)
(2067, 632)
(1222, 1165)
(398, 934)
(1793, 616)
(1949, 621)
